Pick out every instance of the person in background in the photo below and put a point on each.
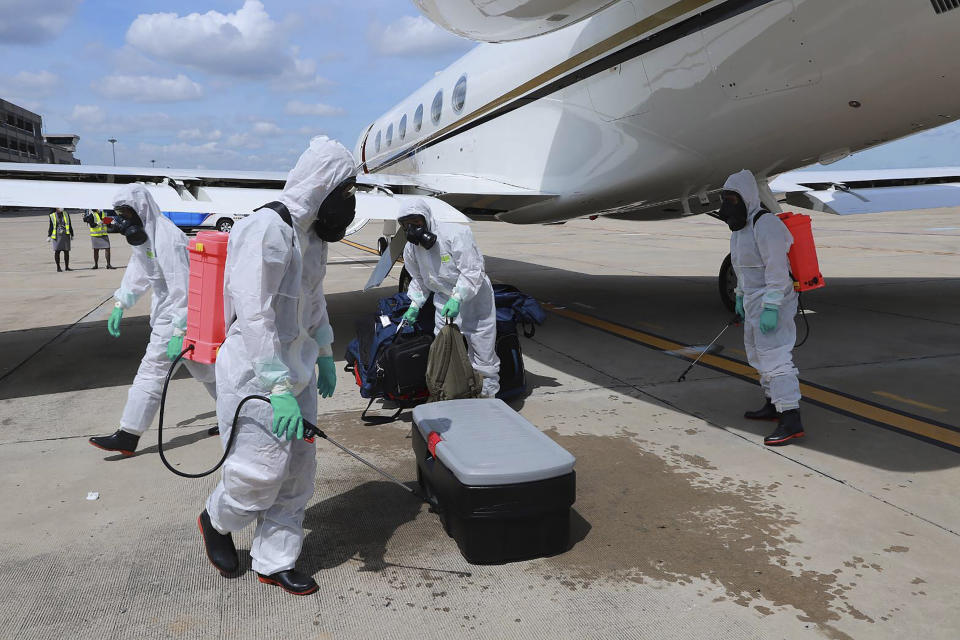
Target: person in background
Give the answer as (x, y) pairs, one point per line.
(98, 236)
(60, 232)
(766, 301)
(159, 262)
(443, 258)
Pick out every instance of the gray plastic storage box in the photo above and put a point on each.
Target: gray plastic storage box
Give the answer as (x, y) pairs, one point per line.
(504, 489)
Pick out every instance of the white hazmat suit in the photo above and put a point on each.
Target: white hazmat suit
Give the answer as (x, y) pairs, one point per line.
(278, 326)
(162, 264)
(759, 255)
(454, 267)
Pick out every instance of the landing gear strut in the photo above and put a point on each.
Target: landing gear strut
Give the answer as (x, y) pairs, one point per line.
(727, 281)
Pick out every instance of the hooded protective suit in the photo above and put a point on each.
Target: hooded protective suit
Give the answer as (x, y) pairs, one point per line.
(278, 326)
(162, 264)
(453, 267)
(759, 255)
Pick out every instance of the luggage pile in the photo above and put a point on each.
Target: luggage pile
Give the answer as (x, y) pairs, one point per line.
(388, 357)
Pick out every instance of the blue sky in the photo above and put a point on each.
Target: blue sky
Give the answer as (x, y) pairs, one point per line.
(243, 84)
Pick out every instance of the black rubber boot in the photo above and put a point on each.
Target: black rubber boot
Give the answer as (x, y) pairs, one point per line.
(767, 412)
(121, 441)
(220, 549)
(291, 581)
(790, 427)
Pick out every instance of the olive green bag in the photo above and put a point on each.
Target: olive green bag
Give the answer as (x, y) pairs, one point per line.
(449, 373)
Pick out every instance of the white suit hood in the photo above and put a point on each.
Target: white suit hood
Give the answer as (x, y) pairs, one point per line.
(139, 199)
(161, 264)
(745, 184)
(321, 168)
(418, 207)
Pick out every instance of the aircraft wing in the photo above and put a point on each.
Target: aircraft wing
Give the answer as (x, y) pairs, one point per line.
(208, 193)
(871, 191)
(469, 194)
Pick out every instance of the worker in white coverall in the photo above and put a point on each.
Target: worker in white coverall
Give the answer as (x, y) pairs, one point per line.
(443, 257)
(767, 302)
(159, 262)
(279, 339)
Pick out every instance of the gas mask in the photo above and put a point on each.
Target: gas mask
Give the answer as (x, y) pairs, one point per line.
(417, 232)
(337, 212)
(421, 237)
(734, 214)
(131, 226)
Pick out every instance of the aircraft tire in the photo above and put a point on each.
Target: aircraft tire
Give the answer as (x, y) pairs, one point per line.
(405, 279)
(727, 284)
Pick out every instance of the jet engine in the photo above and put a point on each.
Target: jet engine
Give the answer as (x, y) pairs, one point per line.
(506, 20)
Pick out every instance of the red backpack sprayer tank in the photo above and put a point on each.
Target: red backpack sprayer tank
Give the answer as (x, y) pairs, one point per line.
(206, 331)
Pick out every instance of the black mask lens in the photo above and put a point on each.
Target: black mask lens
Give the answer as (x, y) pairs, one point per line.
(733, 213)
(337, 212)
(131, 226)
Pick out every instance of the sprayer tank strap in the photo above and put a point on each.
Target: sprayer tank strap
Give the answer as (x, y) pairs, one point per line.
(280, 209)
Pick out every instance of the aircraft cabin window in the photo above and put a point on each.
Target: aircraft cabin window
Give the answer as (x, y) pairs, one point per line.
(460, 94)
(418, 118)
(377, 144)
(390, 134)
(402, 131)
(436, 109)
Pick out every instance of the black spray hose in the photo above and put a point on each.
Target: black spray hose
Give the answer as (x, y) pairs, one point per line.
(806, 322)
(310, 432)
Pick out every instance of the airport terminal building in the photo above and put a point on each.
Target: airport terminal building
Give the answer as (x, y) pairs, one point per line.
(22, 138)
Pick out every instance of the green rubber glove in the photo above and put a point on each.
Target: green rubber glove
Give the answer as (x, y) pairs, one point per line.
(174, 347)
(739, 307)
(768, 319)
(451, 309)
(326, 376)
(411, 315)
(113, 324)
(287, 419)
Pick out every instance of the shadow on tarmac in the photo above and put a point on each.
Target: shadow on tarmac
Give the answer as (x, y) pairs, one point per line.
(859, 321)
(357, 525)
(174, 443)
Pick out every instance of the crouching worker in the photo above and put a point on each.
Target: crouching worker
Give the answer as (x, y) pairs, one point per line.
(159, 262)
(767, 302)
(444, 258)
(278, 336)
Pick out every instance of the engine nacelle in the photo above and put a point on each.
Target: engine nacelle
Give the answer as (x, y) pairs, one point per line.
(506, 20)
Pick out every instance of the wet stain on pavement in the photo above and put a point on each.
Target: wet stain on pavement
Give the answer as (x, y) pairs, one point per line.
(656, 521)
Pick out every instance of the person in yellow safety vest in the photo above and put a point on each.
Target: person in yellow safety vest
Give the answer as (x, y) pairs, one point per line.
(59, 233)
(98, 236)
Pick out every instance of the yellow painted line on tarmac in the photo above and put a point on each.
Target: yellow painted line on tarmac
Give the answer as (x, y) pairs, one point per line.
(884, 416)
(361, 247)
(936, 433)
(915, 403)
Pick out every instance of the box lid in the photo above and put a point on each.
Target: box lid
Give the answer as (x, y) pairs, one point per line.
(484, 442)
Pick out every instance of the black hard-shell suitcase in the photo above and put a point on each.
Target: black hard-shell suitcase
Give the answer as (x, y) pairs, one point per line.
(513, 375)
(504, 489)
(404, 365)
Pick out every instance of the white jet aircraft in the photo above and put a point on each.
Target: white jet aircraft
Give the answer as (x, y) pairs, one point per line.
(633, 109)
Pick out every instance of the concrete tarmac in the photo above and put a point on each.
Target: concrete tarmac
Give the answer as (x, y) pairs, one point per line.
(685, 526)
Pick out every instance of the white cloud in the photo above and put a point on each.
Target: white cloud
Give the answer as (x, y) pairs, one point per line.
(297, 108)
(41, 84)
(414, 36)
(246, 44)
(34, 21)
(88, 115)
(199, 134)
(243, 141)
(149, 88)
(264, 128)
